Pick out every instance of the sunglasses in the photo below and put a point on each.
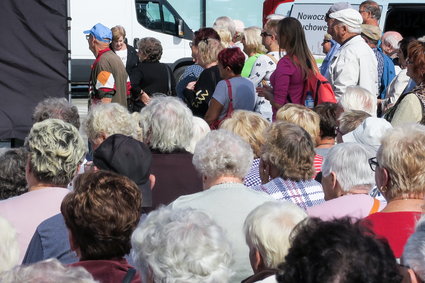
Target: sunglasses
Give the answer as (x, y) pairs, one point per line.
(326, 40)
(265, 34)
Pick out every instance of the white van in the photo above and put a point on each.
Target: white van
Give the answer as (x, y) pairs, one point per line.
(140, 18)
(406, 17)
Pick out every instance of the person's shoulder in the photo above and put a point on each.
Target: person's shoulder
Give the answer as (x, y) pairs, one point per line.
(56, 221)
(188, 200)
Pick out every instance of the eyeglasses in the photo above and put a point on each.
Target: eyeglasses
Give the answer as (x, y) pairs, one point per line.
(265, 34)
(326, 40)
(373, 163)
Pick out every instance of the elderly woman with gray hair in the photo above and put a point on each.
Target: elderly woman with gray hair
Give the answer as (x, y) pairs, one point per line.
(105, 120)
(223, 159)
(400, 176)
(181, 245)
(347, 184)
(55, 152)
(268, 230)
(167, 126)
(150, 76)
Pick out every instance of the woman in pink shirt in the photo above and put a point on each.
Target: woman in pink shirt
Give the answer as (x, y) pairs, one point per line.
(288, 79)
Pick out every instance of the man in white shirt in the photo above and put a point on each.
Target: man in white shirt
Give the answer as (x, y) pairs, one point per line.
(355, 63)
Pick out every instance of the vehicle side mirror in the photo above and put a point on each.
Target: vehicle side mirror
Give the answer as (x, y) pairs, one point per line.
(180, 31)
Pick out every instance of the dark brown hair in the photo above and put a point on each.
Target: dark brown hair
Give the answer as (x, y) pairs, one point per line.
(292, 38)
(101, 213)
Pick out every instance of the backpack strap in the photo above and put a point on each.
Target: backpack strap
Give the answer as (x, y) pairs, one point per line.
(375, 206)
(129, 276)
(272, 57)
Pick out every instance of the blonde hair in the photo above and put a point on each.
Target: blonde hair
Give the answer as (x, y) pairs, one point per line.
(303, 117)
(225, 36)
(117, 32)
(250, 126)
(402, 154)
(290, 149)
(208, 50)
(253, 41)
(56, 149)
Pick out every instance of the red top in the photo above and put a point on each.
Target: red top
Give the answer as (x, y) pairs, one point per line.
(396, 227)
(108, 271)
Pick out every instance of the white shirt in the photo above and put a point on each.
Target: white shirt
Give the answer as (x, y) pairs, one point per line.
(263, 68)
(228, 204)
(354, 64)
(123, 56)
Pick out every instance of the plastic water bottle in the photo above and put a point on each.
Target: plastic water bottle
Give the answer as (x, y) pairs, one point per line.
(309, 101)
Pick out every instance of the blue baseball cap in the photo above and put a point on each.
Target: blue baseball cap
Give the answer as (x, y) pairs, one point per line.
(100, 32)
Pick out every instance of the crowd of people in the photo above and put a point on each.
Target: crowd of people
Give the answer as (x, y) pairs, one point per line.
(228, 173)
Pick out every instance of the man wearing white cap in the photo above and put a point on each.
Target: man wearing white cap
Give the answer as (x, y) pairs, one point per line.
(108, 78)
(355, 63)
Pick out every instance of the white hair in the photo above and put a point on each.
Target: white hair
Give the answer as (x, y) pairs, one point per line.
(275, 17)
(109, 119)
(222, 153)
(350, 29)
(200, 130)
(182, 245)
(391, 39)
(358, 98)
(350, 174)
(48, 271)
(167, 124)
(414, 250)
(267, 229)
(225, 23)
(9, 249)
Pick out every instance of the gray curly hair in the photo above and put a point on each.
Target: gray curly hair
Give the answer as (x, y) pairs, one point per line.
(58, 108)
(167, 124)
(162, 242)
(55, 148)
(109, 119)
(222, 153)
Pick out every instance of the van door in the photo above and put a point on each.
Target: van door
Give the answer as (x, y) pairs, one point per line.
(407, 19)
